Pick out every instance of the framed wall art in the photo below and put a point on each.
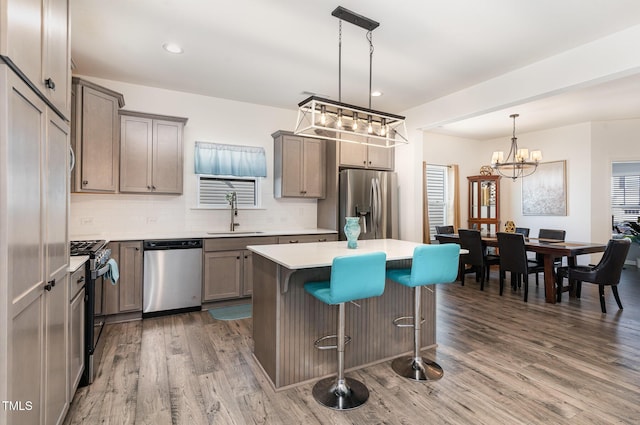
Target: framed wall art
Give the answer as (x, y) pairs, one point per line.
(545, 191)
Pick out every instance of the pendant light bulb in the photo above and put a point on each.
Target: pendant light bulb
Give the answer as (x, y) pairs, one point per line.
(370, 124)
(339, 122)
(383, 127)
(323, 114)
(355, 121)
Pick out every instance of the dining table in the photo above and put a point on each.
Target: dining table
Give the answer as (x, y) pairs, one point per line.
(550, 249)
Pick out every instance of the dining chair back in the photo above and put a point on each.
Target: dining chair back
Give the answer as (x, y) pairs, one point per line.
(513, 259)
(552, 234)
(444, 230)
(471, 240)
(523, 231)
(606, 273)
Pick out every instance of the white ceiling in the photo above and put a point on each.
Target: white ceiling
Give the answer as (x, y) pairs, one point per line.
(270, 52)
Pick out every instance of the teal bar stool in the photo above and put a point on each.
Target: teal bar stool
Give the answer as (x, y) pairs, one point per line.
(431, 264)
(353, 277)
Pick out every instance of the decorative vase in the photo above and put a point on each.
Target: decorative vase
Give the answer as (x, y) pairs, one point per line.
(352, 231)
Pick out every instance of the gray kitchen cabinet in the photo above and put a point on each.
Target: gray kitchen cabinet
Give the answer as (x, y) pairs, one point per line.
(36, 40)
(324, 237)
(151, 153)
(365, 156)
(34, 164)
(95, 137)
(228, 267)
(130, 283)
(299, 166)
(126, 295)
(223, 275)
(76, 364)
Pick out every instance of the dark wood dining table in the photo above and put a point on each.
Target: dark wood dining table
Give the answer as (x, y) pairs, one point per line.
(551, 249)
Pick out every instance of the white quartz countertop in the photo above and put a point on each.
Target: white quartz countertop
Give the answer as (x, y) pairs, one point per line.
(198, 234)
(76, 262)
(321, 254)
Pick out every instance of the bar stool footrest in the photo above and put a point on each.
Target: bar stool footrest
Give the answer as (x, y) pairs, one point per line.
(349, 395)
(317, 342)
(417, 369)
(398, 322)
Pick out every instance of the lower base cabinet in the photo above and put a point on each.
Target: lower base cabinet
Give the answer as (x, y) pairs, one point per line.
(228, 265)
(76, 330)
(126, 295)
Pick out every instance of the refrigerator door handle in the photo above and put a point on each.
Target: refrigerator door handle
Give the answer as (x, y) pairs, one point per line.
(376, 207)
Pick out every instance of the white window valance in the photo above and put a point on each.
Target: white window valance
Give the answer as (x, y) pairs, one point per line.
(230, 160)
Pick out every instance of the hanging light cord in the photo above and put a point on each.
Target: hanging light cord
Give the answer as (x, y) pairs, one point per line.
(340, 60)
(370, 39)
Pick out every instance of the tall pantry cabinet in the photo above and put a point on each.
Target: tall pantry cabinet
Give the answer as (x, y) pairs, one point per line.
(34, 199)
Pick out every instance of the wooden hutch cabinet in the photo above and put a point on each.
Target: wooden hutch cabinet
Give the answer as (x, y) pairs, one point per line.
(484, 203)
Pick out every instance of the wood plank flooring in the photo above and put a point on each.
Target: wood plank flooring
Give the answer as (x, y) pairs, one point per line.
(505, 362)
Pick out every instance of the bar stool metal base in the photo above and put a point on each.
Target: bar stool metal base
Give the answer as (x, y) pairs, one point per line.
(347, 395)
(417, 368)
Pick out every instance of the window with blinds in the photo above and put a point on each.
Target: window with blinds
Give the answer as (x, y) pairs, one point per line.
(437, 196)
(213, 190)
(625, 198)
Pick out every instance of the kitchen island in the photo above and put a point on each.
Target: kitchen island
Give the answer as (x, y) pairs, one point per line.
(287, 320)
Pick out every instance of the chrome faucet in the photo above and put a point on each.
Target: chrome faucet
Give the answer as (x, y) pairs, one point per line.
(232, 198)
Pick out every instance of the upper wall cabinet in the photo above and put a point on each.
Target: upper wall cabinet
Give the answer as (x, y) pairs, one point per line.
(151, 153)
(43, 27)
(299, 166)
(365, 156)
(95, 129)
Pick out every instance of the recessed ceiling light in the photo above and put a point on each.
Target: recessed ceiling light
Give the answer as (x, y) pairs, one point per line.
(172, 48)
(376, 93)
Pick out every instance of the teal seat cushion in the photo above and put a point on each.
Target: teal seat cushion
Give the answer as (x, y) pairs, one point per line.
(431, 264)
(353, 277)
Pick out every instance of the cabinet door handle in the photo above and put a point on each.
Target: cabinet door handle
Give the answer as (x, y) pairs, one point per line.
(85, 182)
(80, 279)
(153, 188)
(246, 256)
(50, 284)
(50, 84)
(238, 257)
(364, 162)
(137, 249)
(148, 187)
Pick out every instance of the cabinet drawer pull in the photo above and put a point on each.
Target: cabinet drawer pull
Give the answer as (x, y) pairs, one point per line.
(50, 284)
(80, 279)
(322, 240)
(294, 241)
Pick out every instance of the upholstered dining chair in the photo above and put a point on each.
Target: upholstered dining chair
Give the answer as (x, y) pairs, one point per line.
(477, 258)
(523, 231)
(445, 230)
(606, 273)
(513, 259)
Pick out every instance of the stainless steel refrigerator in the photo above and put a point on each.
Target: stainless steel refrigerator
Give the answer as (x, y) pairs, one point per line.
(372, 196)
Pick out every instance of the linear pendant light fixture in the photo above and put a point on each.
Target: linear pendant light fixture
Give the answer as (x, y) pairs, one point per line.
(518, 163)
(327, 119)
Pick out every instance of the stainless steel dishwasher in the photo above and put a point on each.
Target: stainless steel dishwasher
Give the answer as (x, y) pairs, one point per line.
(172, 276)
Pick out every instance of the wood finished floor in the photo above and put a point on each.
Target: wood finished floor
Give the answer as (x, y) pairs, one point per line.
(505, 362)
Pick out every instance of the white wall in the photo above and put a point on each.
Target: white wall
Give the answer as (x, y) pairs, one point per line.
(210, 119)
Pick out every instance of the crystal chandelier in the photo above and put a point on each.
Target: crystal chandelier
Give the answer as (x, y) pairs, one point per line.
(327, 119)
(519, 163)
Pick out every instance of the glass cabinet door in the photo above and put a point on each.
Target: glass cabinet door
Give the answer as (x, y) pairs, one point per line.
(484, 206)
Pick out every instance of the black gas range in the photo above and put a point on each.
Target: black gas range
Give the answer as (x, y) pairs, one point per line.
(98, 264)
